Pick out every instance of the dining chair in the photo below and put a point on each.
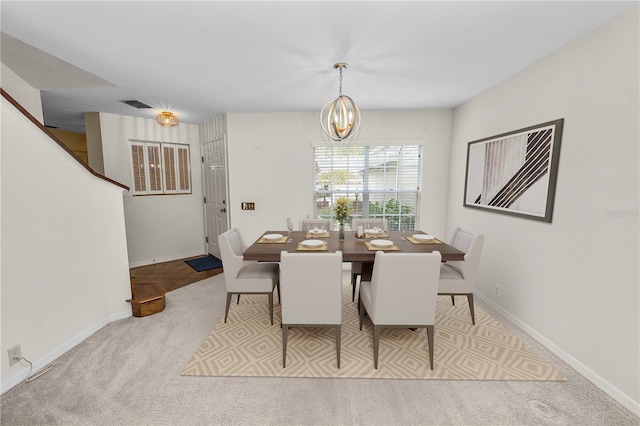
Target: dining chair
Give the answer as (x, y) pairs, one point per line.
(242, 276)
(370, 223)
(311, 293)
(402, 293)
(306, 224)
(356, 267)
(459, 277)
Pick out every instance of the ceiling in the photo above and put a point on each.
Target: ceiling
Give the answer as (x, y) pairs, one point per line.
(204, 58)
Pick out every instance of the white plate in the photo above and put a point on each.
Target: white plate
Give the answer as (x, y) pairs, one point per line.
(272, 237)
(319, 231)
(423, 237)
(382, 243)
(312, 243)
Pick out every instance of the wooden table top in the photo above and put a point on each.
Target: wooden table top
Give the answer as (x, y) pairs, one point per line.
(353, 249)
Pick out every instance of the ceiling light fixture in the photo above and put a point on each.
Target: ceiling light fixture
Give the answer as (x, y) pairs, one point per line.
(340, 117)
(168, 119)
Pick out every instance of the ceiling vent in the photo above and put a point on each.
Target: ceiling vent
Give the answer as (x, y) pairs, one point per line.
(136, 104)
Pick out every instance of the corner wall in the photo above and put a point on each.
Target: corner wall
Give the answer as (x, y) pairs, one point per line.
(270, 161)
(572, 284)
(21, 91)
(159, 227)
(64, 267)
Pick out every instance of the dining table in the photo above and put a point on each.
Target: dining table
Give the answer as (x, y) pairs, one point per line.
(353, 249)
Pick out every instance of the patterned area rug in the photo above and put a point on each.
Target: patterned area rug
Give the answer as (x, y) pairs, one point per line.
(247, 345)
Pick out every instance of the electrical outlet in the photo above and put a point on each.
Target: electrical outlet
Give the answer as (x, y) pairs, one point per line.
(15, 354)
(497, 290)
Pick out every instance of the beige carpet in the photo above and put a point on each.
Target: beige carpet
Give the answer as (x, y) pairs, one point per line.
(247, 345)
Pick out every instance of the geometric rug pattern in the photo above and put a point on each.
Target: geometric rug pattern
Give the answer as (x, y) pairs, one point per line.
(248, 345)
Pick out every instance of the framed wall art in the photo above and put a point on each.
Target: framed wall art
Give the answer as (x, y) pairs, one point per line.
(515, 173)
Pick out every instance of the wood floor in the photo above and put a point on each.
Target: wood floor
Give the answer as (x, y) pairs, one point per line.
(170, 275)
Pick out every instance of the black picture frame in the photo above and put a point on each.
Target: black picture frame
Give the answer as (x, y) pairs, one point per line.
(515, 173)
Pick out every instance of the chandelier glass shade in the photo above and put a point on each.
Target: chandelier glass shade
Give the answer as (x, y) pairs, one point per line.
(340, 117)
(168, 119)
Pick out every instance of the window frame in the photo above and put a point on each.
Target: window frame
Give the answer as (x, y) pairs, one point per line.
(175, 184)
(156, 156)
(399, 219)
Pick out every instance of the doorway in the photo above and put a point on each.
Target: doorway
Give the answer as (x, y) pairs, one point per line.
(214, 158)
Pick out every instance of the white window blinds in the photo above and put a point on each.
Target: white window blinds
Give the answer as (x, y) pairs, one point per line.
(380, 181)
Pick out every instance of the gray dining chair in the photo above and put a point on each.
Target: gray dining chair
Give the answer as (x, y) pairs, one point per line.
(459, 277)
(356, 267)
(311, 285)
(402, 293)
(243, 276)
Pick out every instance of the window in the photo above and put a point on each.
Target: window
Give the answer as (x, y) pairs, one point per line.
(160, 168)
(381, 182)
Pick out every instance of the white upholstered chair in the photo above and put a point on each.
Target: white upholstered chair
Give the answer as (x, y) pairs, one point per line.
(459, 277)
(305, 224)
(242, 276)
(402, 293)
(311, 285)
(356, 267)
(370, 223)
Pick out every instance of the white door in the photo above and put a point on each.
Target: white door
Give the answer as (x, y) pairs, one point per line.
(215, 189)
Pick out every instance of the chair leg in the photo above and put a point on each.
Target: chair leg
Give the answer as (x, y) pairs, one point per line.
(338, 341)
(430, 339)
(226, 311)
(473, 314)
(278, 285)
(376, 345)
(361, 309)
(271, 306)
(354, 284)
(453, 301)
(238, 302)
(285, 332)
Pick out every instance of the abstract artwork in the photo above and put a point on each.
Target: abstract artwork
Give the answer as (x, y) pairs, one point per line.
(515, 173)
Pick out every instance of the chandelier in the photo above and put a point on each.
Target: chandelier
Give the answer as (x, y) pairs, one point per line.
(168, 119)
(340, 117)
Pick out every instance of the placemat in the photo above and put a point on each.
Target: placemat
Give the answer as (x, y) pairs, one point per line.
(376, 234)
(323, 247)
(262, 240)
(416, 241)
(371, 247)
(318, 235)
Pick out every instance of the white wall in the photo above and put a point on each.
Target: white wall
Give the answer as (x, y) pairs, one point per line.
(271, 163)
(94, 141)
(64, 256)
(160, 227)
(573, 283)
(22, 92)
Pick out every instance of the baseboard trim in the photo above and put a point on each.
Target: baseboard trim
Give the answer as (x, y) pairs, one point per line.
(166, 259)
(615, 393)
(39, 364)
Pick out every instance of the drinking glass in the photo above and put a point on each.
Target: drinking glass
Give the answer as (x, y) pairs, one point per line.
(289, 229)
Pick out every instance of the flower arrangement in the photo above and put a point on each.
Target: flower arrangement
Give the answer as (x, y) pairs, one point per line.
(342, 210)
